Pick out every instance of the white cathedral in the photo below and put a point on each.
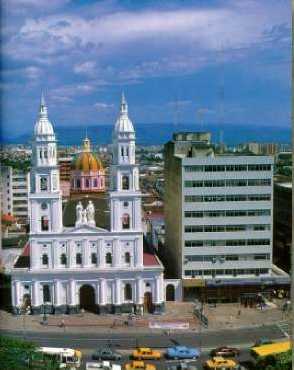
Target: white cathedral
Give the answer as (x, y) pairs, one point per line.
(66, 269)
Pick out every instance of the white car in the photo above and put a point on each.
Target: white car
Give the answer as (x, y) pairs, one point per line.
(104, 365)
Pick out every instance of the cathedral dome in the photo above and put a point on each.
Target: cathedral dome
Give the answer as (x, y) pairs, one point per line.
(123, 123)
(86, 161)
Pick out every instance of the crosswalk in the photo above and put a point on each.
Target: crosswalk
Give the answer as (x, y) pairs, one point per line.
(285, 328)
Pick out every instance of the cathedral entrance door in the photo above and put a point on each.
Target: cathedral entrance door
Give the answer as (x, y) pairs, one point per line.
(170, 292)
(87, 298)
(148, 305)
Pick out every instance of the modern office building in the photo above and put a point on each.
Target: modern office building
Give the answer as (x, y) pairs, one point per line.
(219, 218)
(15, 190)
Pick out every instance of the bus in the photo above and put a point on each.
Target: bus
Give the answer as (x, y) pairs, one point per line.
(65, 358)
(266, 354)
(270, 349)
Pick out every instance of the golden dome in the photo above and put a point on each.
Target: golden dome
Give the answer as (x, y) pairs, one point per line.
(86, 161)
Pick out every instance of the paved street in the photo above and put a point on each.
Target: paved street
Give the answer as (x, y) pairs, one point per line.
(125, 342)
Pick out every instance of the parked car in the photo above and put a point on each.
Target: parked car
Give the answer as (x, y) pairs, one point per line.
(182, 366)
(261, 341)
(105, 365)
(225, 352)
(106, 354)
(139, 365)
(179, 352)
(221, 363)
(146, 354)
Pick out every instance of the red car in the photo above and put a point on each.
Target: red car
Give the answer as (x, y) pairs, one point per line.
(225, 352)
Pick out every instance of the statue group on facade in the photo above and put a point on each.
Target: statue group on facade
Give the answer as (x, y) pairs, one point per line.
(85, 216)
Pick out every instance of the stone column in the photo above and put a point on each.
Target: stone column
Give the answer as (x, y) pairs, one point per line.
(158, 301)
(138, 249)
(102, 291)
(102, 297)
(98, 293)
(36, 299)
(101, 255)
(117, 295)
(73, 305)
(85, 251)
(13, 294)
(70, 253)
(35, 255)
(139, 291)
(56, 292)
(116, 253)
(18, 293)
(55, 254)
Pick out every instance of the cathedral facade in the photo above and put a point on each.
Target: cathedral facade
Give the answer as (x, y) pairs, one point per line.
(66, 269)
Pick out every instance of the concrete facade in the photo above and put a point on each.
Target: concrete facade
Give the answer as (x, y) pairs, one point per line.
(219, 212)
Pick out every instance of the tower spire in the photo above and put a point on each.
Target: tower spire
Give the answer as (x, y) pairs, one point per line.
(123, 104)
(43, 108)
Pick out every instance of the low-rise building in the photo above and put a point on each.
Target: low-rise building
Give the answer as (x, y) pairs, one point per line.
(15, 190)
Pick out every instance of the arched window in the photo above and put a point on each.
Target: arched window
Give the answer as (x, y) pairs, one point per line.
(79, 258)
(45, 154)
(125, 182)
(108, 258)
(43, 183)
(45, 259)
(127, 151)
(87, 184)
(95, 183)
(78, 183)
(125, 221)
(128, 292)
(46, 294)
(127, 257)
(94, 258)
(44, 223)
(63, 259)
(122, 151)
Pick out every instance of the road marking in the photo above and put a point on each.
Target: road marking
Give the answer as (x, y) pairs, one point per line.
(284, 327)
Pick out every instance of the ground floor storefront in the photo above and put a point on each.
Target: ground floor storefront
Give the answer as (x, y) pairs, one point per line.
(247, 294)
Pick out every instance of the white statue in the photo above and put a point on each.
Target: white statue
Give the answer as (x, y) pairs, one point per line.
(84, 216)
(91, 213)
(79, 211)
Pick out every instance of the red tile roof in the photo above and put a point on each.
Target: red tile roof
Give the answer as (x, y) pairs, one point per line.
(23, 261)
(150, 259)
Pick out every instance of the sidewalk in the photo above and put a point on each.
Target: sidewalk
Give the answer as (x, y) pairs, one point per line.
(223, 316)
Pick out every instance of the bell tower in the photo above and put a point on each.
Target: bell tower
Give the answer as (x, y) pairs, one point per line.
(45, 196)
(125, 195)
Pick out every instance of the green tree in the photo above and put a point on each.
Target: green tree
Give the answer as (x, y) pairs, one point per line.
(17, 354)
(282, 361)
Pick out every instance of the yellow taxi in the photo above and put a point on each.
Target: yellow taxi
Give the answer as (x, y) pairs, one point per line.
(143, 353)
(139, 365)
(220, 363)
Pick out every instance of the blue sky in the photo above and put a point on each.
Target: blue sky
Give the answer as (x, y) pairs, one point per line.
(171, 58)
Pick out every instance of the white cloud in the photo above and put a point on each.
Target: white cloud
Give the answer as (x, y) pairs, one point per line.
(194, 31)
(100, 106)
(86, 68)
